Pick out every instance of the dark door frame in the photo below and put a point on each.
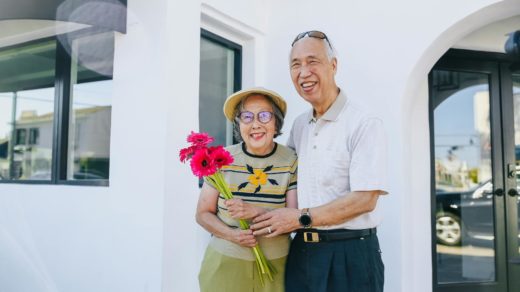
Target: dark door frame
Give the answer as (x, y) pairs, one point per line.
(497, 66)
(509, 157)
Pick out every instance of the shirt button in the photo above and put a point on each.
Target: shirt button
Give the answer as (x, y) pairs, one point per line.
(316, 134)
(314, 147)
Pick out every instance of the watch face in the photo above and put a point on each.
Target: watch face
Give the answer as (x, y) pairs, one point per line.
(305, 220)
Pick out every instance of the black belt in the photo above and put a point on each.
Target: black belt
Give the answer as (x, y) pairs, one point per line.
(321, 235)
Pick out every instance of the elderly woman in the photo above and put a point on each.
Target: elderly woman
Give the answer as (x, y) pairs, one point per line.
(262, 177)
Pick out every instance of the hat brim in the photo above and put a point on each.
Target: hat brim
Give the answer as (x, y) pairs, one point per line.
(233, 100)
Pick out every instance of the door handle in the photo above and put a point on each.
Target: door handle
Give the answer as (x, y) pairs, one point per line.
(515, 261)
(512, 192)
(511, 170)
(499, 192)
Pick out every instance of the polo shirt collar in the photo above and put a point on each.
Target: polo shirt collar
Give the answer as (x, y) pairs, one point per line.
(335, 109)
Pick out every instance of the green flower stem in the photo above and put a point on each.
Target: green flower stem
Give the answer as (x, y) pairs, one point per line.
(262, 263)
(259, 274)
(257, 252)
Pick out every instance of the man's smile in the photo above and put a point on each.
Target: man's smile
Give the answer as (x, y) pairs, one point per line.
(308, 86)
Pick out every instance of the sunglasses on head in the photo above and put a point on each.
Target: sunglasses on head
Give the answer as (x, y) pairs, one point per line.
(263, 117)
(312, 34)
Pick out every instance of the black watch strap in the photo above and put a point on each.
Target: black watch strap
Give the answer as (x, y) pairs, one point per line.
(305, 218)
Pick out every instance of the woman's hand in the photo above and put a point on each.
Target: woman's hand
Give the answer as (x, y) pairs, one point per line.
(243, 237)
(239, 209)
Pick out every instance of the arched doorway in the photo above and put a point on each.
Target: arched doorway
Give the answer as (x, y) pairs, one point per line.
(475, 144)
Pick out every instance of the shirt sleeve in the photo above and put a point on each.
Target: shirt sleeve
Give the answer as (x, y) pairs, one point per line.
(290, 141)
(293, 179)
(368, 166)
(209, 182)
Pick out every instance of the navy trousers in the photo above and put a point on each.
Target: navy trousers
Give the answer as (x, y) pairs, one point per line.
(351, 265)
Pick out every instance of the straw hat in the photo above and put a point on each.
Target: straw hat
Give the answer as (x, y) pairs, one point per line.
(234, 99)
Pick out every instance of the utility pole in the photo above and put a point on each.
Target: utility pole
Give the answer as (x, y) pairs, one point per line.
(13, 137)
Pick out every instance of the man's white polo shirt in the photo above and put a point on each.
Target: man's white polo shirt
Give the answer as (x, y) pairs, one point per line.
(341, 152)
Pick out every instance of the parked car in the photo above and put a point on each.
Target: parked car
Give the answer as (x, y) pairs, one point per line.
(468, 215)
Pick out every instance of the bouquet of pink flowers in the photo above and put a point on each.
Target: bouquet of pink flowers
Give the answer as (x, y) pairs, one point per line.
(207, 161)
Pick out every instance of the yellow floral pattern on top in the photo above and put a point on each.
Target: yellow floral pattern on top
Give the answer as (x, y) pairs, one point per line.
(258, 177)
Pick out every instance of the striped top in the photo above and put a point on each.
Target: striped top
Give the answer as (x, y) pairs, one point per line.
(260, 180)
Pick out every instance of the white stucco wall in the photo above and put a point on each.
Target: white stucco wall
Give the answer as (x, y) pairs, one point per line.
(139, 234)
(78, 238)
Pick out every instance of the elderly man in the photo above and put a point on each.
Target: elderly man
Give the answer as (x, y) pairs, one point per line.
(341, 174)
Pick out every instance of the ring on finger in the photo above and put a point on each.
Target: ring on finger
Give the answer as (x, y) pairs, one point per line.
(269, 229)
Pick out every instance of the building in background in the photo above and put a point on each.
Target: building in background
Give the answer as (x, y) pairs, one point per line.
(97, 97)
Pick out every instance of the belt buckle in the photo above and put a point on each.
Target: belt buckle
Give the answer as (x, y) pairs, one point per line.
(311, 237)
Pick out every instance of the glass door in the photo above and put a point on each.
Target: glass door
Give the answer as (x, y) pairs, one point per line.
(511, 125)
(467, 162)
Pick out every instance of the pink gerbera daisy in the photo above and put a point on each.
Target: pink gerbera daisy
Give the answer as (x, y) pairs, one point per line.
(221, 157)
(200, 139)
(202, 164)
(186, 153)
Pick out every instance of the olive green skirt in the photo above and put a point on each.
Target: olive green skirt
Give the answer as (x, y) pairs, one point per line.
(221, 273)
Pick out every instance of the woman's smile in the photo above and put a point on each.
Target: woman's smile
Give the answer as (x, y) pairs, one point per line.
(258, 136)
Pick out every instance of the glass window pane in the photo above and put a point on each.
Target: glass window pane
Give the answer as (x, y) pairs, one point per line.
(217, 67)
(27, 111)
(516, 104)
(91, 106)
(463, 178)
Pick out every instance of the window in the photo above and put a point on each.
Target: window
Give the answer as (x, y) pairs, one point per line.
(34, 134)
(20, 136)
(27, 101)
(220, 76)
(90, 108)
(55, 106)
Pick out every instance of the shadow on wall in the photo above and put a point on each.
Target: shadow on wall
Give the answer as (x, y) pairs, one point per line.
(21, 267)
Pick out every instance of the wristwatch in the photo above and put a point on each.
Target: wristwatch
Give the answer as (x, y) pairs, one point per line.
(305, 218)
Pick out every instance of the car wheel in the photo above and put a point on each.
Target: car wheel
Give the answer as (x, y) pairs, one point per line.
(449, 229)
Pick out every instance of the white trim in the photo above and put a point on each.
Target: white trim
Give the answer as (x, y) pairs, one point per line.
(251, 39)
(213, 18)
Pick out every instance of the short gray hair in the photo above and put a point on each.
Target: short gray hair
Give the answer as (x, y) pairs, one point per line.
(278, 116)
(331, 51)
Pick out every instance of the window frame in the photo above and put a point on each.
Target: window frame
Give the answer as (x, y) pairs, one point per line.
(237, 49)
(61, 117)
